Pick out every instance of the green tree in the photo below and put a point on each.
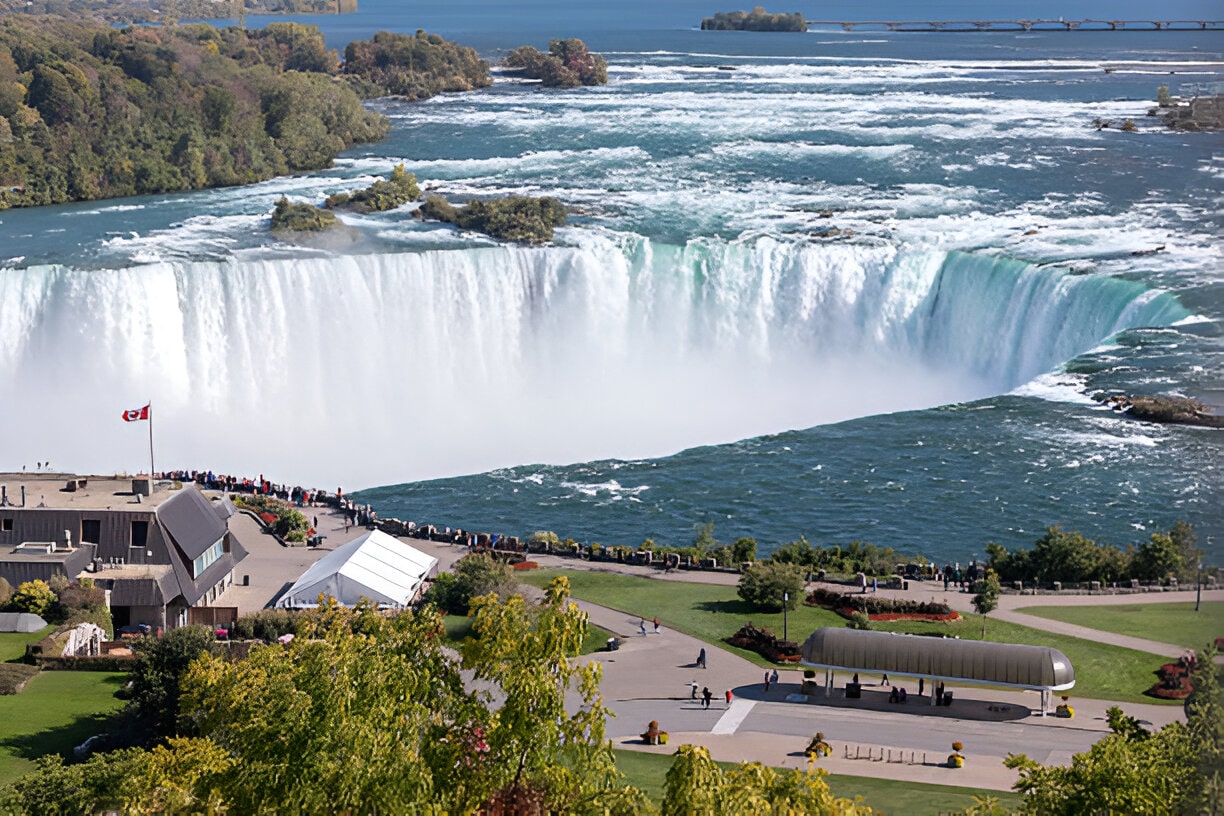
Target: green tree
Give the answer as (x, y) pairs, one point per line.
(765, 584)
(35, 597)
(481, 574)
(986, 597)
(538, 750)
(1175, 770)
(153, 694)
(696, 785)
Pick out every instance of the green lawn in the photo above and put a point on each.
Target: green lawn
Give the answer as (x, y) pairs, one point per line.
(712, 612)
(13, 644)
(460, 626)
(56, 711)
(886, 796)
(1175, 623)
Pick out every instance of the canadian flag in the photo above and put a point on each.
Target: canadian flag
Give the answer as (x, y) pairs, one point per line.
(136, 414)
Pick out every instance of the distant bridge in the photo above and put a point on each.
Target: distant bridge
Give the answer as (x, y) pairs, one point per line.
(1022, 25)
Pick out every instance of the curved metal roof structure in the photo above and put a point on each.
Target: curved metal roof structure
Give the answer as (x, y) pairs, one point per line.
(973, 661)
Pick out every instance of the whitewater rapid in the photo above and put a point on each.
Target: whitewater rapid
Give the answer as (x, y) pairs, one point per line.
(384, 367)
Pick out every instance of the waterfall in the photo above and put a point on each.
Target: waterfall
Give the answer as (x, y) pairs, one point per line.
(391, 367)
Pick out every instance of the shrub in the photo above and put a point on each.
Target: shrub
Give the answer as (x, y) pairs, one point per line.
(382, 195)
(514, 218)
(859, 620)
(266, 625)
(6, 592)
(766, 584)
(289, 217)
(34, 596)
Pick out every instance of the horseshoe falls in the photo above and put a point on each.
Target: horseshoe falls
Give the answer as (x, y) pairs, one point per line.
(842, 285)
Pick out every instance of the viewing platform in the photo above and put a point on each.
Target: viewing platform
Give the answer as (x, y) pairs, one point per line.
(1020, 25)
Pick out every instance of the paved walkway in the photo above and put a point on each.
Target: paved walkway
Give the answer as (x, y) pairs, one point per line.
(650, 678)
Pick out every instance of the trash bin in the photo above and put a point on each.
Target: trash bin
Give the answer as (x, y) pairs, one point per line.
(613, 644)
(853, 691)
(947, 698)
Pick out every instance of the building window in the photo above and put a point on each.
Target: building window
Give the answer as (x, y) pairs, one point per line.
(91, 531)
(207, 558)
(6, 525)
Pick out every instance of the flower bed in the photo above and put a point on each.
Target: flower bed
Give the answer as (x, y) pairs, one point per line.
(525, 565)
(764, 643)
(1174, 683)
(847, 612)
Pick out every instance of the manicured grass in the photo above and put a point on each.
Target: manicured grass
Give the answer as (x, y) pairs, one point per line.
(712, 612)
(13, 644)
(56, 711)
(1102, 671)
(648, 772)
(460, 626)
(709, 612)
(1175, 623)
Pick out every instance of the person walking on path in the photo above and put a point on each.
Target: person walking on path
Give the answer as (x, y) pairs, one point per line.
(693, 686)
(656, 623)
(884, 680)
(921, 681)
(773, 677)
(767, 680)
(701, 658)
(706, 696)
(642, 626)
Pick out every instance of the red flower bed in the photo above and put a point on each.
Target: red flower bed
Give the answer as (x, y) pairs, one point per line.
(896, 616)
(267, 518)
(525, 565)
(1174, 683)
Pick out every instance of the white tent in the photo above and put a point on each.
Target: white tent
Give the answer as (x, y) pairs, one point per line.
(375, 566)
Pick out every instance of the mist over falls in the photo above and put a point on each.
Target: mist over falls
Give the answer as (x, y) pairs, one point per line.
(381, 368)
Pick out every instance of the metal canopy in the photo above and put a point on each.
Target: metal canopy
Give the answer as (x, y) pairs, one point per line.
(973, 661)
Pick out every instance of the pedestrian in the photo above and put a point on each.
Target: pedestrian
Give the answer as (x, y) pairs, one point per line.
(316, 523)
(921, 680)
(706, 696)
(693, 686)
(701, 658)
(767, 679)
(642, 626)
(863, 582)
(656, 623)
(874, 585)
(773, 678)
(884, 680)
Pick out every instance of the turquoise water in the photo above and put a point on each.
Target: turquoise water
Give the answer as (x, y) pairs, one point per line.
(863, 286)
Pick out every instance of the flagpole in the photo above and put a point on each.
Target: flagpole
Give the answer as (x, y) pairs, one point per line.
(151, 472)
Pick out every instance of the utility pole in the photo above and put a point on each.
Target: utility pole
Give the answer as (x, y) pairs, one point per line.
(785, 604)
(1198, 588)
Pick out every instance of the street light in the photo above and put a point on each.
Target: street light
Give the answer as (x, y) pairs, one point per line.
(785, 603)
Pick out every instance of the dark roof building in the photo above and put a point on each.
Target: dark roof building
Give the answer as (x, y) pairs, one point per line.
(157, 557)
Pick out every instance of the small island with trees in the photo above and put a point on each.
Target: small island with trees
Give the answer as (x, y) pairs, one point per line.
(756, 20)
(568, 64)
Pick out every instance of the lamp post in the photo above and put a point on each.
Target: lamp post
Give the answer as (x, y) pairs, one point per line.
(785, 603)
(1198, 588)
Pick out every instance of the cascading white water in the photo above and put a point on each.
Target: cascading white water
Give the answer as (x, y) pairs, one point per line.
(390, 367)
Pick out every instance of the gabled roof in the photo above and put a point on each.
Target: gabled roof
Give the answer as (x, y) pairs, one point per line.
(974, 661)
(191, 521)
(374, 566)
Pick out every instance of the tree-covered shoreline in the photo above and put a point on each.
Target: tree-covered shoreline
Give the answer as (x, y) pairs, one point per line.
(88, 111)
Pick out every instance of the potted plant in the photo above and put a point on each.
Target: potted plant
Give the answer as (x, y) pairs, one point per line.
(956, 759)
(818, 747)
(1064, 710)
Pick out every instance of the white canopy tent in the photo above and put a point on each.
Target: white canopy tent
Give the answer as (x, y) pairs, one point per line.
(374, 566)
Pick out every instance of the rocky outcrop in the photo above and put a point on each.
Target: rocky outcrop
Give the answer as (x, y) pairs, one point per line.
(1165, 409)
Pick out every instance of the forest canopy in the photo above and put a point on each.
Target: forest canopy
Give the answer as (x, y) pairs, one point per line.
(89, 111)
